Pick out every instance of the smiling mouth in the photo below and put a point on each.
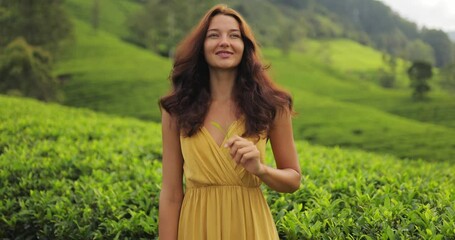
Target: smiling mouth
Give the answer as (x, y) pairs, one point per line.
(224, 54)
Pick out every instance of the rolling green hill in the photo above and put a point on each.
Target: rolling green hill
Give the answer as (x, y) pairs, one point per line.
(73, 172)
(357, 66)
(351, 78)
(334, 101)
(103, 73)
(344, 60)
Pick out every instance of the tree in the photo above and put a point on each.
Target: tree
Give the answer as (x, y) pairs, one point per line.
(41, 23)
(417, 50)
(287, 37)
(448, 77)
(419, 74)
(26, 71)
(441, 44)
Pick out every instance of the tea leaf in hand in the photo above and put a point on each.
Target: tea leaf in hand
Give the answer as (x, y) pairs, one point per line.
(217, 125)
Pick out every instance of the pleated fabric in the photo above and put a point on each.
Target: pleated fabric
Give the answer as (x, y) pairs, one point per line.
(222, 200)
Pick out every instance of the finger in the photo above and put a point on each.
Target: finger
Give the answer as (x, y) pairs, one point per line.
(233, 151)
(238, 145)
(249, 154)
(242, 152)
(231, 140)
(237, 157)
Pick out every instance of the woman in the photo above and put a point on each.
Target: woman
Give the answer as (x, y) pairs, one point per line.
(215, 124)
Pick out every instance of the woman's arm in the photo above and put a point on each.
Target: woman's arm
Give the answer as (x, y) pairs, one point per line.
(286, 177)
(171, 195)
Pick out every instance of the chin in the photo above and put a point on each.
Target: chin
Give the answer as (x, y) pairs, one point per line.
(226, 66)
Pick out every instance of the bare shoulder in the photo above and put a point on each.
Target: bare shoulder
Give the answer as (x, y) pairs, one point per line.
(170, 136)
(282, 140)
(167, 120)
(283, 117)
(172, 159)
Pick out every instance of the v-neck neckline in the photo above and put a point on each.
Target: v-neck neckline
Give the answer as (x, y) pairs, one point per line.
(228, 131)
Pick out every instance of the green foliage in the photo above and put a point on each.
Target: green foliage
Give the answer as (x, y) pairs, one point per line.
(75, 174)
(420, 73)
(26, 70)
(417, 50)
(69, 173)
(163, 24)
(42, 23)
(355, 195)
(219, 127)
(320, 26)
(442, 46)
(386, 79)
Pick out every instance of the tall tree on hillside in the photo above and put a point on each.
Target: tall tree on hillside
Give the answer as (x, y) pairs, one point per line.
(42, 23)
(26, 71)
(419, 74)
(417, 50)
(288, 36)
(441, 44)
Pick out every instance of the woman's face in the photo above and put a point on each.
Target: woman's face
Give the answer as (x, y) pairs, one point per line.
(223, 45)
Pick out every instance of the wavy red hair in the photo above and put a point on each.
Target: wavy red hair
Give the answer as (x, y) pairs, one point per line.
(257, 97)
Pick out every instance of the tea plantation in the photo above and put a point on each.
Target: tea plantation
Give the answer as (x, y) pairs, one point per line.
(74, 174)
(106, 74)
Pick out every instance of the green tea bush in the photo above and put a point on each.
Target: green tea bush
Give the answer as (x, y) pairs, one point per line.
(74, 174)
(358, 195)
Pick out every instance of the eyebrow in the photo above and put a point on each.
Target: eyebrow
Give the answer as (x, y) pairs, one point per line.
(231, 30)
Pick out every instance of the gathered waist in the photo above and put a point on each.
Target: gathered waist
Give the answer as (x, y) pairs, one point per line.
(220, 186)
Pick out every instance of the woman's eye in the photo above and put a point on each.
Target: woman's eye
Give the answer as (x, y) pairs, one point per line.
(212, 35)
(235, 36)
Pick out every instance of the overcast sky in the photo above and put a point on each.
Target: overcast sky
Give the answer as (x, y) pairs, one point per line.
(439, 14)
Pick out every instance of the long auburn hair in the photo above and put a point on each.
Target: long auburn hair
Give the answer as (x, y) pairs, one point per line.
(257, 98)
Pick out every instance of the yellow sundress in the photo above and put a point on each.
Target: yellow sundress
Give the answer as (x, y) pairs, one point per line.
(222, 200)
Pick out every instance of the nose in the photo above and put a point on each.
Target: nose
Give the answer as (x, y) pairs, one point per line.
(224, 41)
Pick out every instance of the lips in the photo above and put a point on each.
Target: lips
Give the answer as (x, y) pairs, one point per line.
(224, 54)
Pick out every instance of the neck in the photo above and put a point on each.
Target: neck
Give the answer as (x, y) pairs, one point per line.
(221, 84)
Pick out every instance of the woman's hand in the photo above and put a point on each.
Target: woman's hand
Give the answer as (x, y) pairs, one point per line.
(245, 153)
